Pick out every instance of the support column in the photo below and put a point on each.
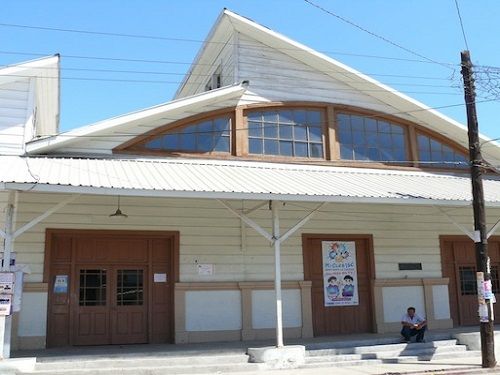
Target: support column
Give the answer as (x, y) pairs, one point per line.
(277, 273)
(6, 321)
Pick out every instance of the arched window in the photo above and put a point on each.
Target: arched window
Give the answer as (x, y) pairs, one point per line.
(286, 132)
(211, 135)
(367, 138)
(433, 153)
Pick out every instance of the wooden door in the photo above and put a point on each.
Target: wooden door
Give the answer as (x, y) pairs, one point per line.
(114, 287)
(92, 305)
(333, 320)
(112, 306)
(129, 305)
(459, 265)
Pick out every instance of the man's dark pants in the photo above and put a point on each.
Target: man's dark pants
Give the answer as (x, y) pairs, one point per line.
(408, 332)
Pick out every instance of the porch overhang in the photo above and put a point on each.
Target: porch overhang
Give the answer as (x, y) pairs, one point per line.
(89, 190)
(239, 180)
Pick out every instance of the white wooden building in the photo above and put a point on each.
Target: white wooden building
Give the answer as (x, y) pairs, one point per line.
(269, 151)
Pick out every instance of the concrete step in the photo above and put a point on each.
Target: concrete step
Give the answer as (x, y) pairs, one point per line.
(380, 348)
(425, 352)
(138, 368)
(145, 361)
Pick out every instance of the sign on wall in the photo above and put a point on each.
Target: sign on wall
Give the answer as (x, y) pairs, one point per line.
(340, 277)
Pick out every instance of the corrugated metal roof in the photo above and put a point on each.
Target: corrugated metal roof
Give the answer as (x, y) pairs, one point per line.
(238, 180)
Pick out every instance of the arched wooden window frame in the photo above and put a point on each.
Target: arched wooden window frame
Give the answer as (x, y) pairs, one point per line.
(138, 144)
(331, 146)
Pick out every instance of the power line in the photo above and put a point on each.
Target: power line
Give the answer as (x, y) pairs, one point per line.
(427, 60)
(374, 116)
(374, 34)
(461, 24)
(250, 77)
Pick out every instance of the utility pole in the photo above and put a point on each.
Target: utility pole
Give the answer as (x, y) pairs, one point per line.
(484, 295)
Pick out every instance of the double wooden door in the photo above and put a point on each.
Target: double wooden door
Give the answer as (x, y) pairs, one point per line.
(334, 320)
(110, 287)
(112, 306)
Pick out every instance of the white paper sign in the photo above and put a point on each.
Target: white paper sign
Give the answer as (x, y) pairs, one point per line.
(160, 278)
(205, 269)
(5, 304)
(340, 276)
(7, 282)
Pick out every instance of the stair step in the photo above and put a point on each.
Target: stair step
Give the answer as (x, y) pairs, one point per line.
(150, 370)
(148, 361)
(380, 348)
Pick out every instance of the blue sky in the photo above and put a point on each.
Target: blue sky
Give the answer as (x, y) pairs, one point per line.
(91, 92)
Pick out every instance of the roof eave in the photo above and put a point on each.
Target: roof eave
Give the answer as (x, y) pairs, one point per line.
(64, 139)
(65, 189)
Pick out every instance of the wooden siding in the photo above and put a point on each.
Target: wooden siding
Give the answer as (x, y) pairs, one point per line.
(210, 234)
(13, 115)
(275, 76)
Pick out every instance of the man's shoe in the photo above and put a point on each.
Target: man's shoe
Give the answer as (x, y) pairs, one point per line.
(403, 340)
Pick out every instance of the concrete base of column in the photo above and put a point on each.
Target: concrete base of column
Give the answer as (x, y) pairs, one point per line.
(291, 356)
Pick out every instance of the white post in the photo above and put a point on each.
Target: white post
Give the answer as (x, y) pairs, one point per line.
(277, 273)
(6, 321)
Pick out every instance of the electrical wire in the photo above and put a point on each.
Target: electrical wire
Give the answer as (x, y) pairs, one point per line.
(461, 24)
(343, 19)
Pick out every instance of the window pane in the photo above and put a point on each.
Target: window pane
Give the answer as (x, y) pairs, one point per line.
(92, 289)
(301, 149)
(358, 138)
(286, 148)
(316, 150)
(345, 137)
(205, 143)
(255, 146)
(271, 130)
(254, 116)
(300, 117)
(270, 117)
(300, 133)
(371, 125)
(360, 153)
(346, 152)
(423, 143)
(286, 132)
(204, 127)
(254, 129)
(435, 145)
(357, 123)
(222, 144)
(371, 139)
(314, 118)
(187, 142)
(129, 288)
(154, 144)
(286, 117)
(221, 125)
(315, 134)
(170, 142)
(271, 147)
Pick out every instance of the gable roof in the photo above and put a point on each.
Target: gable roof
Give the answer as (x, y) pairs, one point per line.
(401, 105)
(30, 92)
(45, 71)
(139, 122)
(227, 25)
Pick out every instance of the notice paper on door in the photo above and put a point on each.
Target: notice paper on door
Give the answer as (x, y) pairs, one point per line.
(160, 278)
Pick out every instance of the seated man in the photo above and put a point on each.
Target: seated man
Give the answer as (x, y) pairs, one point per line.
(413, 325)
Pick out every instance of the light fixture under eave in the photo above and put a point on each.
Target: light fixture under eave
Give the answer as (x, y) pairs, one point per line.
(118, 213)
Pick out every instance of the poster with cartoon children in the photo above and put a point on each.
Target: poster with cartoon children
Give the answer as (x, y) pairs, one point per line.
(340, 273)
